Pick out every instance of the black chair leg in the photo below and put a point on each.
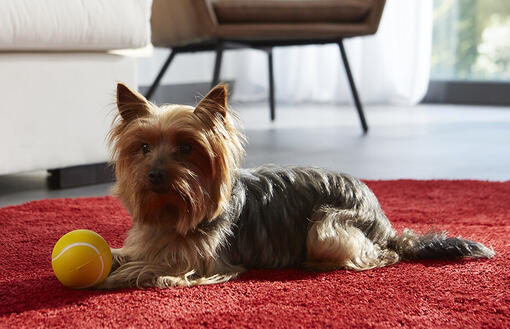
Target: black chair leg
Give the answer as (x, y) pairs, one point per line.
(353, 87)
(271, 83)
(217, 64)
(160, 75)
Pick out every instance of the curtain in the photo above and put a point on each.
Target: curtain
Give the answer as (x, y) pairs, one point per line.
(390, 67)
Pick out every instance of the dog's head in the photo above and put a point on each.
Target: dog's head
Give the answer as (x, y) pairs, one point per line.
(174, 164)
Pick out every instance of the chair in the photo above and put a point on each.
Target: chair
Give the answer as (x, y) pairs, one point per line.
(218, 25)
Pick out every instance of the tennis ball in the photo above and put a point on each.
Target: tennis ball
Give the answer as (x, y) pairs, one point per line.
(81, 259)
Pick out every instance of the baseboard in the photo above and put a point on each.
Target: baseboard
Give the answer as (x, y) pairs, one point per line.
(468, 92)
(185, 93)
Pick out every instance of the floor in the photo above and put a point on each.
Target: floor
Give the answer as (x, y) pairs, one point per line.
(420, 142)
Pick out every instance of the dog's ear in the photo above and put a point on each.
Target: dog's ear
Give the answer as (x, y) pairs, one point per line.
(131, 104)
(214, 104)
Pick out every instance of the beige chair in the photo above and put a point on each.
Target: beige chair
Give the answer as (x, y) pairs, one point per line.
(217, 25)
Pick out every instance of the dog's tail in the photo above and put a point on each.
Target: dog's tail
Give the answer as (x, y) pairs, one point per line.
(435, 245)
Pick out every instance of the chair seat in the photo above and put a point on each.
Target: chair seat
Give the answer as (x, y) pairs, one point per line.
(185, 22)
(290, 11)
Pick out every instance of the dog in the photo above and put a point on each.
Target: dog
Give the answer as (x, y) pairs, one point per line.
(200, 219)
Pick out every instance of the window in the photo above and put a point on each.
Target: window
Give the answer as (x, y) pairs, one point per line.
(470, 60)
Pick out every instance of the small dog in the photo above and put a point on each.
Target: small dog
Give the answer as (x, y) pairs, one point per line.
(199, 219)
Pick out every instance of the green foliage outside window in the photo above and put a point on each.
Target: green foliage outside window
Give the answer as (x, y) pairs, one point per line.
(471, 40)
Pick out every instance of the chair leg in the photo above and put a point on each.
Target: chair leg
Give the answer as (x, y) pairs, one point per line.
(271, 84)
(217, 63)
(353, 87)
(160, 75)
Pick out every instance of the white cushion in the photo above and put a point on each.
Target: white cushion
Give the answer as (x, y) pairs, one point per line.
(74, 24)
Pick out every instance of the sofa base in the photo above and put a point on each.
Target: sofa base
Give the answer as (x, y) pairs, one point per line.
(98, 173)
(57, 108)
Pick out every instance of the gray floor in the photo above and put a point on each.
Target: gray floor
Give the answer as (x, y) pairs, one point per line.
(420, 142)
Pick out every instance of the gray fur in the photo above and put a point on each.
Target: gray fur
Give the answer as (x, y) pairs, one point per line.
(270, 214)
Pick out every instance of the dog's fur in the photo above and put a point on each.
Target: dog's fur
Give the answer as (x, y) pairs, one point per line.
(199, 219)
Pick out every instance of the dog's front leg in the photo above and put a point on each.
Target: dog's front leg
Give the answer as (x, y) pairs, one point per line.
(142, 275)
(132, 274)
(189, 279)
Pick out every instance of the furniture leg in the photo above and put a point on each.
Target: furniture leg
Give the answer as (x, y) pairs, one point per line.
(156, 82)
(353, 87)
(271, 83)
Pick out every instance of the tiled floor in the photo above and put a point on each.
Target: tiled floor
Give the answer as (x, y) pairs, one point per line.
(421, 142)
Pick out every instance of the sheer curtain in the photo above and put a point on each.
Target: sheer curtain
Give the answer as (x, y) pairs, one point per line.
(391, 67)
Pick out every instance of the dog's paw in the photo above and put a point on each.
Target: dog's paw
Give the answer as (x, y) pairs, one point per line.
(112, 282)
(118, 258)
(107, 285)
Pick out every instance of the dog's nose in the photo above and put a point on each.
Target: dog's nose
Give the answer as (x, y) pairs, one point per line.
(157, 176)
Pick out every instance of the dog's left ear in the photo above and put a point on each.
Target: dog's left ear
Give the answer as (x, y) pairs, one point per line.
(214, 104)
(131, 104)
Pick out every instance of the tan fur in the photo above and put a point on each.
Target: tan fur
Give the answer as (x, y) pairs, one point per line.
(160, 252)
(205, 180)
(164, 246)
(333, 242)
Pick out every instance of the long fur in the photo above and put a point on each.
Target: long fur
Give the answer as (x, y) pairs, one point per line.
(213, 220)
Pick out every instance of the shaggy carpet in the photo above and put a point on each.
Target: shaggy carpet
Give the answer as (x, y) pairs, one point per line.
(428, 294)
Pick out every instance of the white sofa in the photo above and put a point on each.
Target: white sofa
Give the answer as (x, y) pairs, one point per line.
(58, 77)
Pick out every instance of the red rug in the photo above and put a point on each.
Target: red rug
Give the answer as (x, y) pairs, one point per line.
(431, 294)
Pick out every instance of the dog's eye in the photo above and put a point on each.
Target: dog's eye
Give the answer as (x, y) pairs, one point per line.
(145, 148)
(184, 148)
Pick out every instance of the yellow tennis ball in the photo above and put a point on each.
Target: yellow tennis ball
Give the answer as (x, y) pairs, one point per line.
(81, 259)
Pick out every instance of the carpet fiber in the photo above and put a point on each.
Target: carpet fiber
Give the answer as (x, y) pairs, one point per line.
(427, 294)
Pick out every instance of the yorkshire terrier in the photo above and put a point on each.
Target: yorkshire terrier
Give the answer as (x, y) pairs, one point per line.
(200, 219)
